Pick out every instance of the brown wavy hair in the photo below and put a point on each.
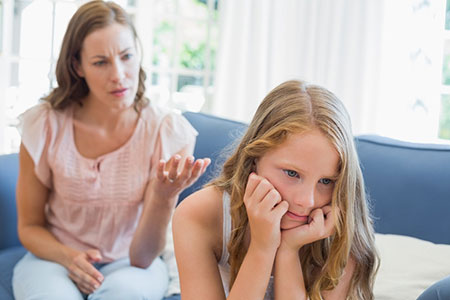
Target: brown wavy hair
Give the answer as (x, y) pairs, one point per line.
(294, 107)
(89, 17)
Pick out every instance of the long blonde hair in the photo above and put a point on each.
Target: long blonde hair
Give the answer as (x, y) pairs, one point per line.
(89, 17)
(294, 107)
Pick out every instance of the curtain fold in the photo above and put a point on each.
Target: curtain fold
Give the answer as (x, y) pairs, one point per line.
(348, 46)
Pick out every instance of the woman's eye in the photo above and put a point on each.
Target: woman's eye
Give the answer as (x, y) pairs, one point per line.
(325, 181)
(291, 173)
(127, 56)
(99, 63)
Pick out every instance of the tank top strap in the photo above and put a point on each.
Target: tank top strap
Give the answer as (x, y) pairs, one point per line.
(226, 229)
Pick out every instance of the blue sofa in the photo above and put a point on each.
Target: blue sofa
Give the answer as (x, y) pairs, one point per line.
(404, 180)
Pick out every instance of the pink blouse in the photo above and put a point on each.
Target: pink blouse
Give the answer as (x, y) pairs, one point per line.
(96, 203)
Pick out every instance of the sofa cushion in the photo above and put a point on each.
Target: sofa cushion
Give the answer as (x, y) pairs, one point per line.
(408, 266)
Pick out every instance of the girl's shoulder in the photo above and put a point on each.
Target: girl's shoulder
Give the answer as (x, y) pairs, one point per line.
(201, 214)
(203, 207)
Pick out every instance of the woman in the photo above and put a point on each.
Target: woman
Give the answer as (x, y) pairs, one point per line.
(287, 218)
(100, 171)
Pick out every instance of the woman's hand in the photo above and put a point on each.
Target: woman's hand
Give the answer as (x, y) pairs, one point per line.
(169, 181)
(265, 210)
(83, 273)
(321, 225)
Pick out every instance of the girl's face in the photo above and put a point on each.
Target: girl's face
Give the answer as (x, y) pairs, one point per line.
(303, 170)
(110, 66)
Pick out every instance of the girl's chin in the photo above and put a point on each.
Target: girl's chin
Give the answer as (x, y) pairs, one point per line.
(286, 225)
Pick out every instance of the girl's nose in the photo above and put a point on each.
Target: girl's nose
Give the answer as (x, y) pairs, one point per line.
(305, 196)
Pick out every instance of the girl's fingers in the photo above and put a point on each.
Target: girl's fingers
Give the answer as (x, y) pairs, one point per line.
(280, 209)
(252, 183)
(261, 190)
(270, 200)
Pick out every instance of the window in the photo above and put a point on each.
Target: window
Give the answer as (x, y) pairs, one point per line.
(444, 121)
(178, 53)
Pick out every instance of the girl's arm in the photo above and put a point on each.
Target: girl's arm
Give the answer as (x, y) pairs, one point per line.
(289, 281)
(160, 198)
(288, 267)
(31, 196)
(198, 232)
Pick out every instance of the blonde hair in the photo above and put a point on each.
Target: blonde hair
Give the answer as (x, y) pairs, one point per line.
(294, 107)
(89, 17)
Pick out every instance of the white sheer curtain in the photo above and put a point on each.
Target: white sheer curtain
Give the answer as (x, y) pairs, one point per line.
(362, 50)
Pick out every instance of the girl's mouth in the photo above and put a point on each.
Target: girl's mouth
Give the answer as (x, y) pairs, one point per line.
(296, 217)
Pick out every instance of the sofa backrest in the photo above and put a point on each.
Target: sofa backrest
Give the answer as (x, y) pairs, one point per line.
(408, 184)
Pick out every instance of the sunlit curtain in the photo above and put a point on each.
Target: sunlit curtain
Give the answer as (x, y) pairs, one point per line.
(382, 58)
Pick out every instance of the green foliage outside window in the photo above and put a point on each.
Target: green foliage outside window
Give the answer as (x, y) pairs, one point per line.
(444, 123)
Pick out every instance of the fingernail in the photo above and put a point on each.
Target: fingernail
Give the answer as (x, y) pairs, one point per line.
(177, 157)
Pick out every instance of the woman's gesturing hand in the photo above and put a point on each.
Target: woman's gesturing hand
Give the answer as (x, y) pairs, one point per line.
(83, 273)
(321, 225)
(265, 210)
(170, 181)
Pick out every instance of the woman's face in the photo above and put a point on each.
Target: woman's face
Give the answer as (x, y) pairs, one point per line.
(110, 65)
(303, 170)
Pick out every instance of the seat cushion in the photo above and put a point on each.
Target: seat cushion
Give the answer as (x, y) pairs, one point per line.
(8, 259)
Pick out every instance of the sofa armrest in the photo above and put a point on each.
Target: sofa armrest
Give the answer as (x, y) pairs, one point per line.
(9, 165)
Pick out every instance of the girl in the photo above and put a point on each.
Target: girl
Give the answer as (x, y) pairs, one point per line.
(287, 218)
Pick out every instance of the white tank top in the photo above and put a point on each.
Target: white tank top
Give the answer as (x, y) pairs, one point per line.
(224, 267)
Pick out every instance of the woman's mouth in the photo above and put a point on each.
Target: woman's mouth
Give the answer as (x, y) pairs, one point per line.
(119, 92)
(296, 217)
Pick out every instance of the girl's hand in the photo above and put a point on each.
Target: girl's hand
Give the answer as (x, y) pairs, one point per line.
(169, 182)
(83, 273)
(265, 210)
(321, 225)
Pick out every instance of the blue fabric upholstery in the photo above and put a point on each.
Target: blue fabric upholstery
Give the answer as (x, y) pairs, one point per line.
(8, 217)
(408, 185)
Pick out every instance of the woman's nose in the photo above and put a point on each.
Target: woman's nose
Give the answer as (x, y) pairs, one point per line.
(118, 71)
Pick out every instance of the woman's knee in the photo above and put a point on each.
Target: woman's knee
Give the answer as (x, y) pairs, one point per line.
(35, 278)
(134, 283)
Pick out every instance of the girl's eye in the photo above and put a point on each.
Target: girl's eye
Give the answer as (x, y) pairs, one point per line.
(325, 181)
(291, 173)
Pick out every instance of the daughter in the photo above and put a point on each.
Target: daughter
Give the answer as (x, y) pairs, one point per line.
(287, 218)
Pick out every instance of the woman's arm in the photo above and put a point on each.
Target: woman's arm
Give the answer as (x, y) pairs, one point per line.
(32, 197)
(160, 199)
